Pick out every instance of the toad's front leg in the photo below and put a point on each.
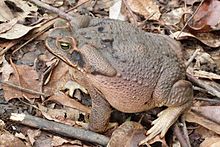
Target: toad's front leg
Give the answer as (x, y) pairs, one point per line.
(100, 113)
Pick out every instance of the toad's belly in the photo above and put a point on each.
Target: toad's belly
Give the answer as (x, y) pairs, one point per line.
(128, 101)
(125, 96)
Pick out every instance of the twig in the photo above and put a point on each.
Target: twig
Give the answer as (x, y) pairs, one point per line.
(185, 132)
(192, 57)
(23, 89)
(190, 18)
(202, 84)
(212, 100)
(58, 128)
(179, 135)
(52, 9)
(130, 11)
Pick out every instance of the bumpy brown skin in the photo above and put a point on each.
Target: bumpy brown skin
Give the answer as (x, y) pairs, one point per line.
(126, 68)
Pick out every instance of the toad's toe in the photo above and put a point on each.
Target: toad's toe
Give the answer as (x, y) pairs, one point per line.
(163, 122)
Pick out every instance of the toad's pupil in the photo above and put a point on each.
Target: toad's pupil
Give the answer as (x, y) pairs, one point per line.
(65, 45)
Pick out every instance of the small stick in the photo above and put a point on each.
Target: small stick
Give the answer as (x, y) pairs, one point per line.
(23, 89)
(202, 84)
(58, 128)
(190, 18)
(207, 99)
(52, 9)
(185, 131)
(130, 11)
(192, 57)
(179, 136)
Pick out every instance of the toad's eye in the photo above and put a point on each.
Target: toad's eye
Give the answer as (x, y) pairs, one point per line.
(65, 45)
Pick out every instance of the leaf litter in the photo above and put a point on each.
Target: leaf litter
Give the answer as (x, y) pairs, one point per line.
(59, 102)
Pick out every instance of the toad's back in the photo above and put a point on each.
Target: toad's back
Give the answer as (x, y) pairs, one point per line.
(147, 65)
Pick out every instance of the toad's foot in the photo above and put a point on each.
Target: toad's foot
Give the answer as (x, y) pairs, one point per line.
(165, 119)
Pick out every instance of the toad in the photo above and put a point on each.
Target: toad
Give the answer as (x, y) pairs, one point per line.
(126, 68)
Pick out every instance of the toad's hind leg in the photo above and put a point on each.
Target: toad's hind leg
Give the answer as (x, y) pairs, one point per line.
(180, 100)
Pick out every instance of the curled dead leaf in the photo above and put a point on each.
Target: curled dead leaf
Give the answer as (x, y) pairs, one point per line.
(173, 17)
(207, 116)
(27, 81)
(64, 115)
(7, 139)
(148, 8)
(67, 101)
(7, 25)
(5, 12)
(17, 31)
(211, 142)
(207, 17)
(209, 39)
(115, 11)
(129, 134)
(6, 70)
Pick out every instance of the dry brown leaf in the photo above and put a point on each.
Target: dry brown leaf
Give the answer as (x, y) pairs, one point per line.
(32, 134)
(104, 4)
(211, 142)
(57, 80)
(26, 9)
(13, 30)
(6, 70)
(129, 134)
(9, 140)
(67, 101)
(58, 141)
(20, 135)
(207, 17)
(28, 78)
(17, 31)
(203, 58)
(5, 12)
(55, 3)
(211, 40)
(115, 11)
(2, 125)
(51, 2)
(174, 16)
(209, 112)
(7, 25)
(148, 8)
(64, 115)
(207, 116)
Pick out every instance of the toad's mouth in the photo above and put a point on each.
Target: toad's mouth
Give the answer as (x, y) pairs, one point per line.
(72, 63)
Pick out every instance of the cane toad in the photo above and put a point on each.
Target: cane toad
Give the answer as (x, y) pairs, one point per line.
(126, 68)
